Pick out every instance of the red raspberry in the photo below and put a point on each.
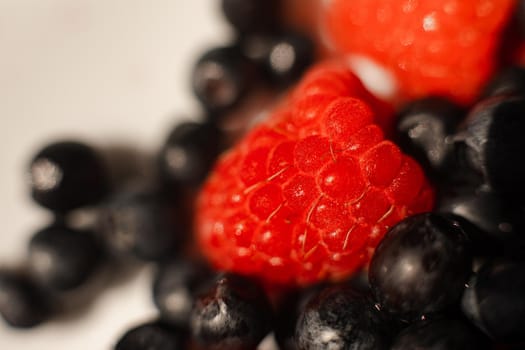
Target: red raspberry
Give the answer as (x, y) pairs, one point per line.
(445, 48)
(308, 194)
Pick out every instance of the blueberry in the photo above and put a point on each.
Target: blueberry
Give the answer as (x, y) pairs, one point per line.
(67, 175)
(421, 266)
(495, 300)
(23, 303)
(494, 224)
(174, 288)
(288, 313)
(154, 335)
(425, 128)
(440, 334)
(493, 142)
(233, 313)
(188, 155)
(220, 78)
(510, 81)
(141, 223)
(63, 258)
(248, 16)
(341, 318)
(287, 58)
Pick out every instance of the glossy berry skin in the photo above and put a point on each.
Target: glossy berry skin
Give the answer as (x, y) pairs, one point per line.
(440, 334)
(495, 300)
(415, 261)
(23, 304)
(220, 78)
(188, 155)
(288, 312)
(493, 223)
(249, 16)
(174, 288)
(341, 318)
(154, 335)
(233, 313)
(432, 48)
(425, 128)
(307, 194)
(142, 224)
(494, 144)
(287, 58)
(63, 258)
(67, 175)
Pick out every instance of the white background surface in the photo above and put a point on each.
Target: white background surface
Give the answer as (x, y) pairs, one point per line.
(107, 71)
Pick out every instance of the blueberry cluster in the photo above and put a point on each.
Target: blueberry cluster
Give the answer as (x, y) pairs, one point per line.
(264, 54)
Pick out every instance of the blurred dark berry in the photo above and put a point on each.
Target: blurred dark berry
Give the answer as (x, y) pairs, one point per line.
(23, 303)
(142, 224)
(220, 78)
(174, 288)
(152, 336)
(188, 155)
(67, 175)
(495, 300)
(63, 258)
(233, 314)
(509, 81)
(249, 16)
(421, 266)
(440, 334)
(493, 144)
(341, 318)
(425, 128)
(287, 58)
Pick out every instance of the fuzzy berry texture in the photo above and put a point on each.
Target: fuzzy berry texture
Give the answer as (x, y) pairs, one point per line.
(308, 194)
(448, 48)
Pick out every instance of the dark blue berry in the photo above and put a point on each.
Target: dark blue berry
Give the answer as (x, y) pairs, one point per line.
(152, 336)
(248, 16)
(287, 58)
(142, 224)
(23, 303)
(493, 223)
(440, 334)
(233, 313)
(220, 78)
(495, 300)
(63, 258)
(425, 128)
(188, 155)
(493, 144)
(67, 175)
(509, 81)
(288, 313)
(341, 318)
(174, 288)
(421, 266)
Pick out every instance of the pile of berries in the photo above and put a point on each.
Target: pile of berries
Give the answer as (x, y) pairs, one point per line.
(341, 221)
